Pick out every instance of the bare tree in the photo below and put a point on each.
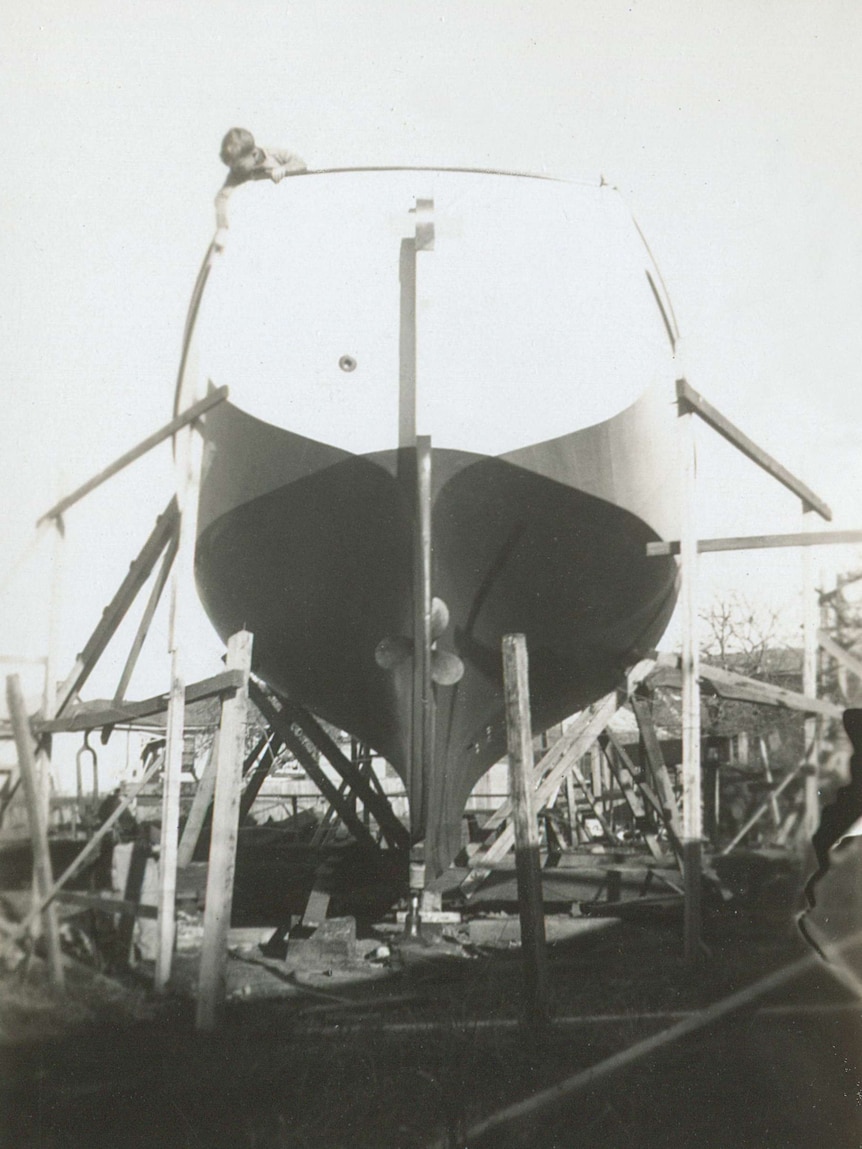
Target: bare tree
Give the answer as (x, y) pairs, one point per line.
(738, 635)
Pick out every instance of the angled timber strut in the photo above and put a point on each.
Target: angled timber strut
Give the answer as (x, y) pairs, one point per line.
(561, 759)
(297, 727)
(692, 401)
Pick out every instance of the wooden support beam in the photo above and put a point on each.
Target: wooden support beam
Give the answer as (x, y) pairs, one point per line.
(128, 713)
(115, 612)
(597, 719)
(692, 799)
(810, 622)
(38, 827)
(729, 684)
(591, 798)
(107, 904)
(759, 542)
(200, 807)
(658, 769)
(763, 807)
(223, 842)
(526, 831)
(767, 772)
(147, 618)
(691, 401)
(188, 460)
(282, 723)
(844, 657)
(637, 776)
(259, 762)
(628, 783)
(166, 432)
(362, 787)
(554, 766)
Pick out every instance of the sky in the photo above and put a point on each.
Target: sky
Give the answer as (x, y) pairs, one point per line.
(731, 127)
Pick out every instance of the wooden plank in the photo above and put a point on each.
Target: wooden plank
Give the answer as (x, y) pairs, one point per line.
(146, 619)
(115, 612)
(223, 842)
(762, 808)
(691, 400)
(729, 684)
(853, 664)
(571, 810)
(265, 760)
(637, 776)
(628, 784)
(201, 803)
(371, 797)
(282, 723)
(812, 726)
(127, 713)
(166, 432)
(132, 894)
(561, 751)
(526, 831)
(43, 877)
(692, 798)
(658, 769)
(108, 904)
(598, 718)
(760, 542)
(174, 746)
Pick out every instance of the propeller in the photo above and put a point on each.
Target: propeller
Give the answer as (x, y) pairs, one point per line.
(446, 668)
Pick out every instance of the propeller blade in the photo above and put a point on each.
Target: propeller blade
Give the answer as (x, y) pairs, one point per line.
(392, 651)
(439, 617)
(446, 668)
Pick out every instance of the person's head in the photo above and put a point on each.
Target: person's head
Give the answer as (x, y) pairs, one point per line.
(238, 150)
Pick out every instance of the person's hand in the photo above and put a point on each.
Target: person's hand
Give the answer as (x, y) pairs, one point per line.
(220, 239)
(278, 174)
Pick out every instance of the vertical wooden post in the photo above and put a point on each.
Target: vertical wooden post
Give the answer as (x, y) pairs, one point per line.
(188, 456)
(809, 681)
(230, 748)
(44, 879)
(692, 809)
(520, 745)
(49, 696)
(572, 810)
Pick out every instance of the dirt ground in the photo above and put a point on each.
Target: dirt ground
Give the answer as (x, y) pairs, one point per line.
(413, 1049)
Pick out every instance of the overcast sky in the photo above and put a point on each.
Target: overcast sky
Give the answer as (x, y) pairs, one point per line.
(731, 127)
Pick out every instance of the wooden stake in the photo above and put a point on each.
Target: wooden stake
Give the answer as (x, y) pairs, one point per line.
(520, 744)
(809, 681)
(188, 456)
(199, 809)
(223, 841)
(44, 879)
(692, 812)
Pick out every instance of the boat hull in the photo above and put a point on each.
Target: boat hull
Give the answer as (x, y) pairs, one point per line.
(320, 568)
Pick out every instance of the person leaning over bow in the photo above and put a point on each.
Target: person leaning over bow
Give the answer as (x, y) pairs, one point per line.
(248, 161)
